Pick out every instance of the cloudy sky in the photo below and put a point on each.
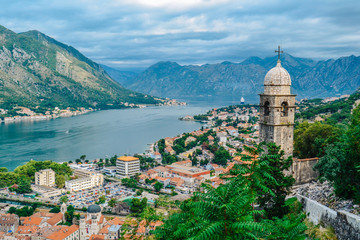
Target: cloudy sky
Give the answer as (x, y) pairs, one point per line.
(130, 34)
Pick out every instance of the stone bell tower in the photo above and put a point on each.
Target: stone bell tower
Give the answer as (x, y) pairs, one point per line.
(277, 109)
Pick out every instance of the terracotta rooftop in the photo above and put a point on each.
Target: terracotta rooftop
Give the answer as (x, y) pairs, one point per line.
(97, 237)
(115, 221)
(63, 232)
(55, 219)
(27, 229)
(127, 158)
(32, 221)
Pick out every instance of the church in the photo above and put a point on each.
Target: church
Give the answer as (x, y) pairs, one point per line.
(277, 118)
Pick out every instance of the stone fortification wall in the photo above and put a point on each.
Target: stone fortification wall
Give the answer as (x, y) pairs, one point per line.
(302, 170)
(345, 224)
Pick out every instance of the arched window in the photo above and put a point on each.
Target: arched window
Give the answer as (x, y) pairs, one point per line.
(266, 108)
(284, 109)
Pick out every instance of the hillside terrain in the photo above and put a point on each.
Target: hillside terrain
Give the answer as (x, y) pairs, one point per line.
(310, 78)
(41, 73)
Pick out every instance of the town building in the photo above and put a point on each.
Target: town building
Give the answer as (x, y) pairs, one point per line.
(66, 233)
(127, 166)
(110, 171)
(45, 177)
(9, 222)
(87, 179)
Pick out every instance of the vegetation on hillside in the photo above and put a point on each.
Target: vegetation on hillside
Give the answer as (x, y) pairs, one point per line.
(20, 179)
(335, 140)
(229, 212)
(41, 73)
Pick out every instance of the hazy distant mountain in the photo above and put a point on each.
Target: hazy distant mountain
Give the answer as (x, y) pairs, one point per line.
(232, 80)
(36, 70)
(122, 77)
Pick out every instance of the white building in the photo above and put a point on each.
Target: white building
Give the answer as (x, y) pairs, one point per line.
(45, 177)
(127, 166)
(89, 180)
(110, 171)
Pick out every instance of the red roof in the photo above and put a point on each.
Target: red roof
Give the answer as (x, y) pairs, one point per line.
(63, 233)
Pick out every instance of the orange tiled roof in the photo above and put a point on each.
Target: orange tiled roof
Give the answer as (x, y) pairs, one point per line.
(56, 218)
(102, 219)
(182, 162)
(177, 181)
(220, 169)
(143, 176)
(105, 229)
(43, 214)
(214, 165)
(27, 229)
(116, 221)
(151, 171)
(32, 221)
(158, 223)
(64, 232)
(160, 178)
(97, 237)
(127, 158)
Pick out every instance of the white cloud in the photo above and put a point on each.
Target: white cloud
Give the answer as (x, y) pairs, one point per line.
(142, 32)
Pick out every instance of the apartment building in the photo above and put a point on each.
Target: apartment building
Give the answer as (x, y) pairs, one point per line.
(45, 177)
(127, 166)
(86, 179)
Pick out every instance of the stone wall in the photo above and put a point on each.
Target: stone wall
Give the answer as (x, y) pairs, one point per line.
(302, 170)
(345, 224)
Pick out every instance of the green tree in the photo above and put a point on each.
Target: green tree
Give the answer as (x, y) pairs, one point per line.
(291, 226)
(341, 159)
(158, 186)
(194, 161)
(228, 211)
(310, 139)
(112, 202)
(12, 210)
(222, 213)
(24, 185)
(60, 181)
(55, 209)
(129, 182)
(113, 160)
(102, 200)
(3, 169)
(137, 205)
(274, 202)
(63, 199)
(221, 156)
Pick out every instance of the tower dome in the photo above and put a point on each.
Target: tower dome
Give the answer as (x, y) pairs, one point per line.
(94, 209)
(277, 76)
(277, 80)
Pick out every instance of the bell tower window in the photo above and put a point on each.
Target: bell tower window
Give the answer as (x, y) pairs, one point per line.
(284, 109)
(266, 108)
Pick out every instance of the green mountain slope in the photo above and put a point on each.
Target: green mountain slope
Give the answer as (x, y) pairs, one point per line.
(37, 71)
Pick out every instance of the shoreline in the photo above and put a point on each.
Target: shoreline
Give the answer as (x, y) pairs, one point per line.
(36, 118)
(67, 113)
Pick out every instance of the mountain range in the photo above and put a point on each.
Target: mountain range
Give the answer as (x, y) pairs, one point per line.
(230, 81)
(36, 71)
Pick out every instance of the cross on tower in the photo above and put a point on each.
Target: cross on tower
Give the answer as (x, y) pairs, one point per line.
(279, 52)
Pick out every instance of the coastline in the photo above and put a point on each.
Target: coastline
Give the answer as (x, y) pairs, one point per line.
(58, 113)
(61, 114)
